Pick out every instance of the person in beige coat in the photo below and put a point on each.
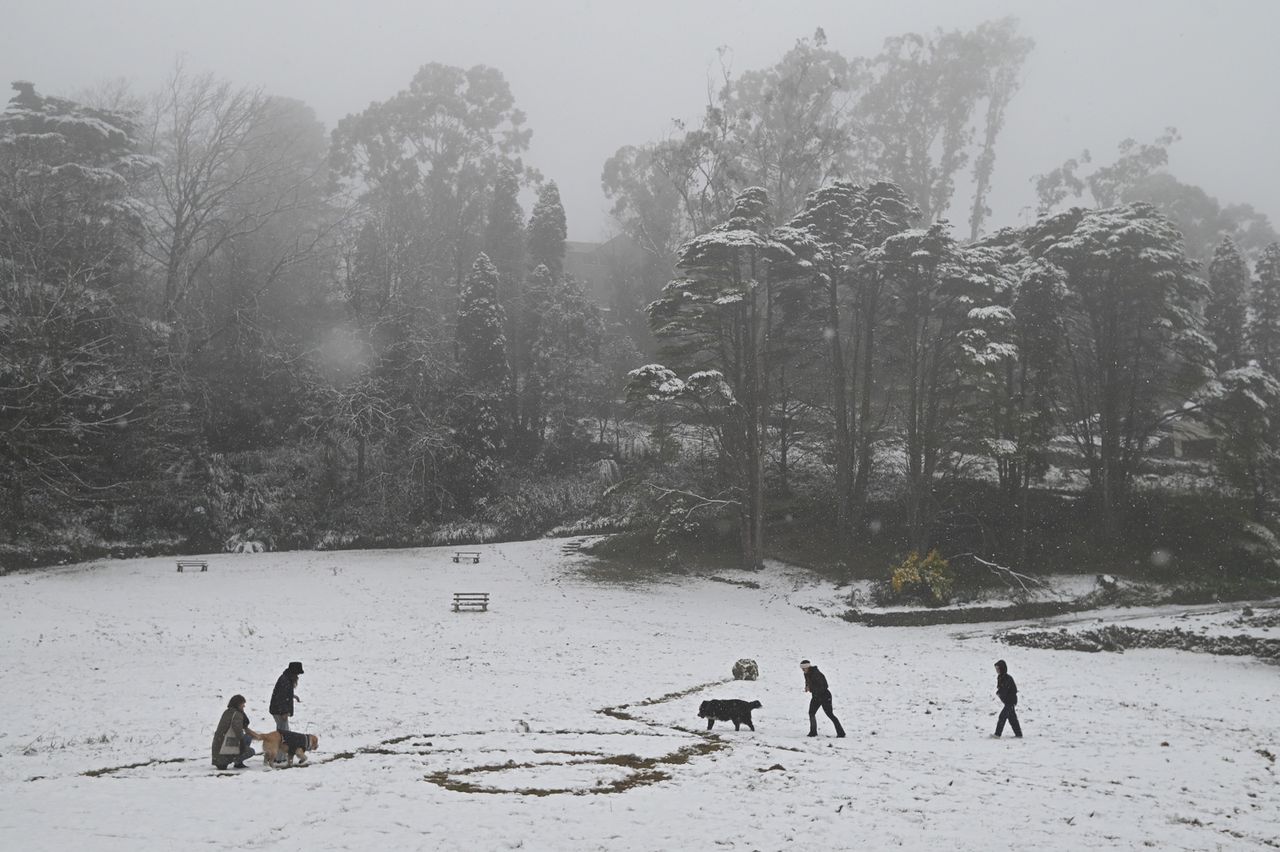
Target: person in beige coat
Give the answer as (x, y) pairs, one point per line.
(233, 735)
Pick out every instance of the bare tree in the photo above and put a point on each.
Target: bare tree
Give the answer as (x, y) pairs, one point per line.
(230, 161)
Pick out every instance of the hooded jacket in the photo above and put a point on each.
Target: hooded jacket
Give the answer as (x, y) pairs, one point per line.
(1007, 690)
(282, 695)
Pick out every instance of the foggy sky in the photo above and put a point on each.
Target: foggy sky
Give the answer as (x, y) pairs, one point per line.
(593, 76)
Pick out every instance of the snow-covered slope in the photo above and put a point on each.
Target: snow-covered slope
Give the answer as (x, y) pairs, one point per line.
(429, 720)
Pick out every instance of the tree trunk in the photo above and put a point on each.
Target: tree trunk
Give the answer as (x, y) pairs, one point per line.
(840, 409)
(17, 507)
(1260, 497)
(861, 483)
(1024, 521)
(784, 433)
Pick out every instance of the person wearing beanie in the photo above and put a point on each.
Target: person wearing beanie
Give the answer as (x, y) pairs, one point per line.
(233, 735)
(815, 683)
(283, 696)
(1007, 692)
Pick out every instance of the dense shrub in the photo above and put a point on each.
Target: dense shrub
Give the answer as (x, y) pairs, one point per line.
(526, 506)
(926, 580)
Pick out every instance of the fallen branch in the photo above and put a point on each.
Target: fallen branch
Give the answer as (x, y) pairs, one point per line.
(1026, 582)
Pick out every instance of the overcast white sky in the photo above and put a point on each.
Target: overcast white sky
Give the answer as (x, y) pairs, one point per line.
(593, 76)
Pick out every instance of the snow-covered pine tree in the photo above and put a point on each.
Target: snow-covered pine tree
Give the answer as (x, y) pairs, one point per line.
(545, 248)
(478, 412)
(482, 345)
(547, 231)
(482, 362)
(566, 356)
(1224, 314)
(528, 389)
(1264, 301)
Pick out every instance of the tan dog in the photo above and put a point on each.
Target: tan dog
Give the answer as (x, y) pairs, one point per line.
(274, 743)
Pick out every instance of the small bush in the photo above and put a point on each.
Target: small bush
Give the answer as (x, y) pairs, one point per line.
(928, 580)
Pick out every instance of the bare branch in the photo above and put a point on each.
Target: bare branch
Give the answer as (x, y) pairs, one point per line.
(1030, 585)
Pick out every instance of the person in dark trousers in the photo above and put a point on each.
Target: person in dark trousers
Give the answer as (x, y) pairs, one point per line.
(815, 683)
(282, 697)
(232, 737)
(1007, 692)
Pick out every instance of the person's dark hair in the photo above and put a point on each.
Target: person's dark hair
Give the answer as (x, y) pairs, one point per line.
(1001, 667)
(236, 702)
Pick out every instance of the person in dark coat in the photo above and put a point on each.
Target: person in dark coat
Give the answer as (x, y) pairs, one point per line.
(283, 696)
(232, 737)
(1007, 692)
(815, 683)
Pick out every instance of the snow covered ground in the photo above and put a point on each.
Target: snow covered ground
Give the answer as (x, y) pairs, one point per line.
(429, 721)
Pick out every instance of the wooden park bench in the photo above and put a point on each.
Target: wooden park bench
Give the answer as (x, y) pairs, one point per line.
(472, 601)
(473, 555)
(192, 564)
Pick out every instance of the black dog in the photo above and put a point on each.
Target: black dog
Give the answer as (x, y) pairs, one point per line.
(728, 710)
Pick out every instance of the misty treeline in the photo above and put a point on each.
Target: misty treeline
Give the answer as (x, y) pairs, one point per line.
(219, 322)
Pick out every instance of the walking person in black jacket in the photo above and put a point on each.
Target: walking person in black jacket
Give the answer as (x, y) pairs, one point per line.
(282, 697)
(815, 683)
(1007, 692)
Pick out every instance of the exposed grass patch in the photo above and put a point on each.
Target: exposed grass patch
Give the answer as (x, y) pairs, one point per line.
(617, 713)
(683, 693)
(98, 773)
(745, 584)
(645, 771)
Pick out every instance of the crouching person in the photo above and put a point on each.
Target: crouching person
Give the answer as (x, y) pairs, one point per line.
(232, 739)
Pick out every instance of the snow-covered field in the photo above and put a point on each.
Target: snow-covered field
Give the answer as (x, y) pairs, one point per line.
(480, 731)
